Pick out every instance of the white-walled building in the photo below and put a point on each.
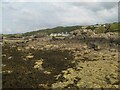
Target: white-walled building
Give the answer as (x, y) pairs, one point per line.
(59, 34)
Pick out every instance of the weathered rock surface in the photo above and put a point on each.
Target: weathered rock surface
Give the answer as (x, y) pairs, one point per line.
(83, 60)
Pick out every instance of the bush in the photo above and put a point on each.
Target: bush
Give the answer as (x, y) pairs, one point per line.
(100, 30)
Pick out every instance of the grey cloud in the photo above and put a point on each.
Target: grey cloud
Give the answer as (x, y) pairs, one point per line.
(95, 5)
(22, 17)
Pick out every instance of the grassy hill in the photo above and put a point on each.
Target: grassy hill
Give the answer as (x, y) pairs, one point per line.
(53, 30)
(113, 28)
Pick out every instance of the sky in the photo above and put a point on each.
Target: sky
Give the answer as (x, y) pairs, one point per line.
(27, 15)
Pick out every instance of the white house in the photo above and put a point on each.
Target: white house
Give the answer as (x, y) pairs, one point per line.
(59, 34)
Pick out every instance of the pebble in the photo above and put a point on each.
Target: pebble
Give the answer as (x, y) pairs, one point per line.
(10, 57)
(29, 57)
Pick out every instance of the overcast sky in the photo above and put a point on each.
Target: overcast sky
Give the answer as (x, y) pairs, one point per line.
(19, 17)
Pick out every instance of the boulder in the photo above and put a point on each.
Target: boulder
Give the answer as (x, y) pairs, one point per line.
(38, 65)
(94, 46)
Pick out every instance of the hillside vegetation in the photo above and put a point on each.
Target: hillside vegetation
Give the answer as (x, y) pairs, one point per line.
(114, 27)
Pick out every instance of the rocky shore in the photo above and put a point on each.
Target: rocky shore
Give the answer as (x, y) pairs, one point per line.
(84, 59)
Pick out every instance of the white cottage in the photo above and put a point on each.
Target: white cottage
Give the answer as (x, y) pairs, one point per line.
(59, 34)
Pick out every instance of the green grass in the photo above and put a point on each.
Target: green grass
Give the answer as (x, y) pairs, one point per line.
(52, 30)
(40, 33)
(114, 27)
